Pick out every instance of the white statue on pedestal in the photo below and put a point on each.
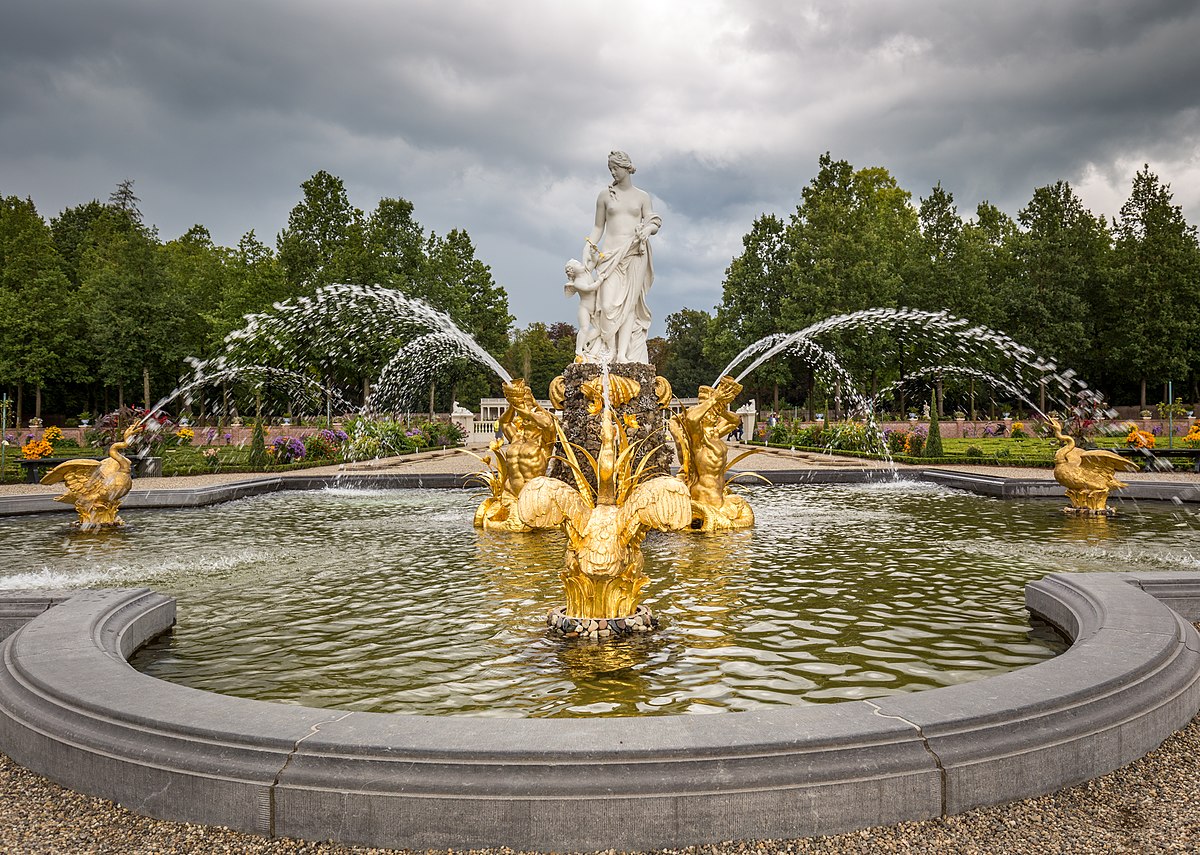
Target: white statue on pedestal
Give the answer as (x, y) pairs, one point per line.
(623, 268)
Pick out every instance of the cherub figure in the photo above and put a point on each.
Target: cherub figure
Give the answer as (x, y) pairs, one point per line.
(582, 282)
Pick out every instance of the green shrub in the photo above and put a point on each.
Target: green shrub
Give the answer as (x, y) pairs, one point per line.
(781, 434)
(974, 451)
(258, 446)
(846, 436)
(933, 442)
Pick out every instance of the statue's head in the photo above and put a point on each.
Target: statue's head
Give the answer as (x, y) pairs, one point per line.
(575, 268)
(621, 159)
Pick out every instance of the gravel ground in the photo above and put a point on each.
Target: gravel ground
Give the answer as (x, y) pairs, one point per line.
(1151, 805)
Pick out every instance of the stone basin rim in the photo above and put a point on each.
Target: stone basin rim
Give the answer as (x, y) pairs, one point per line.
(72, 709)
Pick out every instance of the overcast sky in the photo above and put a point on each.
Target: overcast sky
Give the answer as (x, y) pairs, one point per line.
(497, 117)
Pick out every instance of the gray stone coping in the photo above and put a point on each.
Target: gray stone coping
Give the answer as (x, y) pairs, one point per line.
(72, 709)
(985, 485)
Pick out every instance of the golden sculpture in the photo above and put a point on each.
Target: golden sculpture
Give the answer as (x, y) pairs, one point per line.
(699, 433)
(621, 390)
(603, 574)
(498, 512)
(1087, 475)
(558, 392)
(531, 433)
(96, 487)
(662, 392)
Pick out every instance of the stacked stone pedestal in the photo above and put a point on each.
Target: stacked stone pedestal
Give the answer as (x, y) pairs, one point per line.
(597, 629)
(583, 429)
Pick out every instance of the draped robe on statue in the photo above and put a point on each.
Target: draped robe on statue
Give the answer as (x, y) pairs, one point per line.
(626, 274)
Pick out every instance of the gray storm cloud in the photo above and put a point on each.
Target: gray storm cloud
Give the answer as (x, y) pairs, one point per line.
(497, 117)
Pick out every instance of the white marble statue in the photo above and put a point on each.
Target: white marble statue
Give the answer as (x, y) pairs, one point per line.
(622, 266)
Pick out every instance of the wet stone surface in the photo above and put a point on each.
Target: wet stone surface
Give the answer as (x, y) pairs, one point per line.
(584, 430)
(597, 629)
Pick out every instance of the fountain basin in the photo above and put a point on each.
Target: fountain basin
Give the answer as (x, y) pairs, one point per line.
(72, 708)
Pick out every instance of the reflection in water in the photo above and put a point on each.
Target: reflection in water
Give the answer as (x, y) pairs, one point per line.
(1085, 529)
(392, 601)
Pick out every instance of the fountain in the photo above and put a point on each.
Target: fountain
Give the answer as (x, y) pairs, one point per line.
(605, 524)
(747, 615)
(96, 487)
(1087, 476)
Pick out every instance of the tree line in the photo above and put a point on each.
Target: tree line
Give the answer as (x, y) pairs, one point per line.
(1117, 302)
(96, 312)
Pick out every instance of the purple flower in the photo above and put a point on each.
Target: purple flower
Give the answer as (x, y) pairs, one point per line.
(287, 448)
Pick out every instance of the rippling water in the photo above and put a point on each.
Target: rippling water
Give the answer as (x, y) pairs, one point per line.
(391, 601)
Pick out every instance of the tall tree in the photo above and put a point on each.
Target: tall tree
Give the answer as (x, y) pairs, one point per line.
(1062, 260)
(324, 238)
(253, 282)
(938, 284)
(40, 336)
(753, 299)
(123, 199)
(1152, 308)
(70, 230)
(854, 241)
(195, 273)
(131, 320)
(686, 366)
(453, 280)
(984, 265)
(395, 243)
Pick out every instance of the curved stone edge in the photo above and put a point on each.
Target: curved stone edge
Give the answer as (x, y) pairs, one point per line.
(71, 708)
(983, 485)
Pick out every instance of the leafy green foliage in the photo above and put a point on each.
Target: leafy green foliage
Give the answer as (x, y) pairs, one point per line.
(258, 446)
(933, 442)
(686, 365)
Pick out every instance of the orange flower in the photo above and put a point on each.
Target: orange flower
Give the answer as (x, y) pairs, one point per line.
(1139, 438)
(36, 449)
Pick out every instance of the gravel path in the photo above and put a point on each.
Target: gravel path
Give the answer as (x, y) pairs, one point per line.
(1151, 805)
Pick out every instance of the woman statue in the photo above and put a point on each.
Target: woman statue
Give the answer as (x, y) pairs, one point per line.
(623, 268)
